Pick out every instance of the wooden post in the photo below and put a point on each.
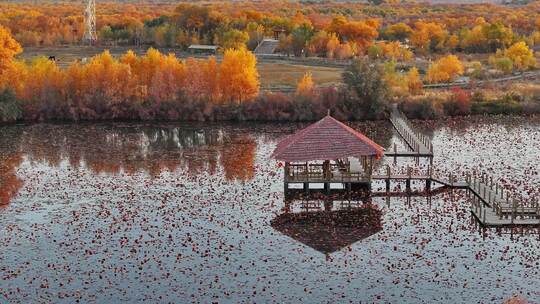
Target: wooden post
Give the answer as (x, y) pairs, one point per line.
(513, 211)
(408, 180)
(388, 178)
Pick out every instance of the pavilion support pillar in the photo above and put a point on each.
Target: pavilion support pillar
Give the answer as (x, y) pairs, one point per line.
(328, 204)
(286, 175)
(287, 208)
(387, 181)
(428, 184)
(408, 185)
(306, 188)
(327, 187)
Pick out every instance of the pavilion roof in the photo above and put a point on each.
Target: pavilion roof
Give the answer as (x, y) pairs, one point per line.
(203, 47)
(326, 139)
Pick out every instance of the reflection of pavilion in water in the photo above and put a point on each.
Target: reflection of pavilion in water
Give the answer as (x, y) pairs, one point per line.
(328, 224)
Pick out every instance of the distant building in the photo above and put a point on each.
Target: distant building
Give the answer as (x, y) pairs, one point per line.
(267, 47)
(203, 49)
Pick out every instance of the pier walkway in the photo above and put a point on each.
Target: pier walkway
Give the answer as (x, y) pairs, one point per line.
(490, 203)
(419, 144)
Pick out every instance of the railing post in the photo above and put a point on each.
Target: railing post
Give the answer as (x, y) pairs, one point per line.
(513, 211)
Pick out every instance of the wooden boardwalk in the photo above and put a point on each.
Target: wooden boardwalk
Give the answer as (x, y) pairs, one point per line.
(490, 203)
(419, 144)
(493, 206)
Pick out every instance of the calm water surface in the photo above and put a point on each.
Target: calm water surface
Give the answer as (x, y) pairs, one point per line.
(182, 213)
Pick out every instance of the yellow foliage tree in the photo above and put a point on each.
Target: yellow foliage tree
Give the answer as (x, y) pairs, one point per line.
(239, 79)
(305, 86)
(395, 51)
(428, 36)
(332, 45)
(414, 83)
(9, 48)
(521, 56)
(445, 69)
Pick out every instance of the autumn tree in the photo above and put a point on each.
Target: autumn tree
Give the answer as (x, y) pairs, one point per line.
(332, 45)
(522, 57)
(446, 69)
(428, 36)
(305, 86)
(9, 48)
(239, 79)
(399, 31)
(43, 88)
(318, 44)
(414, 83)
(361, 33)
(486, 37)
(234, 39)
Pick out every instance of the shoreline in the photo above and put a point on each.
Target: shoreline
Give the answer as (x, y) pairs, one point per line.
(208, 123)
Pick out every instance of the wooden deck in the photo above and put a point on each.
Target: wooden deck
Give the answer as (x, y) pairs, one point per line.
(489, 203)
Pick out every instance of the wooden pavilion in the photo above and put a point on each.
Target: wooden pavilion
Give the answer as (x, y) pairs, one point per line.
(330, 153)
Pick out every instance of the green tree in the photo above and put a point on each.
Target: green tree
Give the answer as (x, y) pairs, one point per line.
(10, 108)
(369, 91)
(106, 33)
(300, 38)
(234, 39)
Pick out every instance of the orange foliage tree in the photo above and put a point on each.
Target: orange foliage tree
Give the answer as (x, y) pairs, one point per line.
(239, 78)
(9, 48)
(129, 87)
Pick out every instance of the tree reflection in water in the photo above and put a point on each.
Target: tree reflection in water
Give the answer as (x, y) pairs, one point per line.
(115, 149)
(10, 159)
(9, 182)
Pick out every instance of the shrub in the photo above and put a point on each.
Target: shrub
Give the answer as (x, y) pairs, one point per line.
(459, 103)
(420, 108)
(10, 107)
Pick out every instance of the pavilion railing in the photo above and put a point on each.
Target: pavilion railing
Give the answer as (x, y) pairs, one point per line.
(315, 173)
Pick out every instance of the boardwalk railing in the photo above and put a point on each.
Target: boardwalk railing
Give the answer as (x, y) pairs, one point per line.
(315, 173)
(490, 199)
(417, 142)
(490, 203)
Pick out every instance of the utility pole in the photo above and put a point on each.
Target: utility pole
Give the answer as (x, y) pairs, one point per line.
(90, 34)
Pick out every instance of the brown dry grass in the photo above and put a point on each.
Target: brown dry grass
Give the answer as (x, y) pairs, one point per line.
(282, 74)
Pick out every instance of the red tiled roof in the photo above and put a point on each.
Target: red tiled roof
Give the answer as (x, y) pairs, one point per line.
(326, 139)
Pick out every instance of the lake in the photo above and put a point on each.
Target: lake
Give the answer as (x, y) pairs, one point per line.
(183, 213)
